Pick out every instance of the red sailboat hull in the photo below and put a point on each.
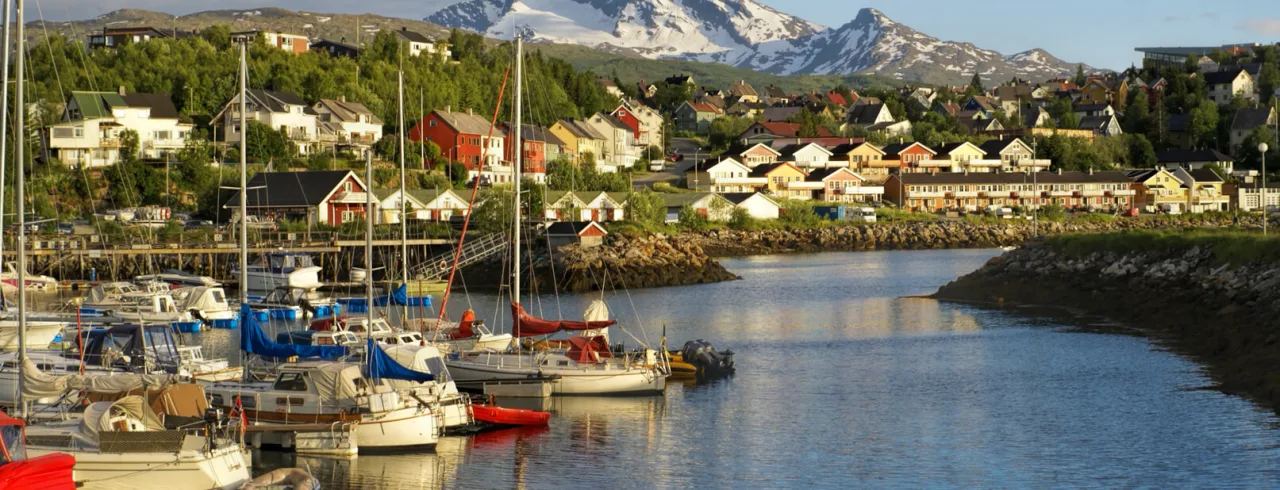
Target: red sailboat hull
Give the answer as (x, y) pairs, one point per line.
(509, 416)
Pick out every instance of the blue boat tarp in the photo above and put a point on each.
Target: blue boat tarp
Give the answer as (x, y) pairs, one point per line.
(383, 366)
(254, 341)
(400, 297)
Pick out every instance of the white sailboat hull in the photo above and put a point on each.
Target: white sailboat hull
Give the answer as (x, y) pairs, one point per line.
(39, 334)
(589, 381)
(481, 342)
(401, 428)
(226, 468)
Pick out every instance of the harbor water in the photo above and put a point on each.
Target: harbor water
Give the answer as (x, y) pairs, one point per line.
(845, 380)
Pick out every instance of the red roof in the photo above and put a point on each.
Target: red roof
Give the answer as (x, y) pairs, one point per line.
(790, 129)
(837, 99)
(704, 107)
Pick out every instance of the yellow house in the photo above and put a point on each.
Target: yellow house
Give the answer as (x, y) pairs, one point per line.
(865, 159)
(579, 137)
(1204, 189)
(784, 180)
(1104, 91)
(1158, 189)
(963, 156)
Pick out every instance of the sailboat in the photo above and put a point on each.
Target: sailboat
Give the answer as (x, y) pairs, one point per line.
(105, 440)
(588, 367)
(329, 391)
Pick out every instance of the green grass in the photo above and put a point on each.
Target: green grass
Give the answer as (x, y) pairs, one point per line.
(1234, 247)
(1092, 218)
(894, 215)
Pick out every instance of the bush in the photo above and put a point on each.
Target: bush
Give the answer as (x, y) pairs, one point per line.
(798, 214)
(899, 215)
(740, 219)
(646, 207)
(691, 219)
(1053, 212)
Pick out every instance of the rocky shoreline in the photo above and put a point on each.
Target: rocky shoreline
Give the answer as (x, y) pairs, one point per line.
(942, 234)
(1183, 294)
(655, 260)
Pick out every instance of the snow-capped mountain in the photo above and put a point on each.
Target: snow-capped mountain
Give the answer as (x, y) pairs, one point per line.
(746, 34)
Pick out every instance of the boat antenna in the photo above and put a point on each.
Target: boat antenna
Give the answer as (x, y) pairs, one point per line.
(404, 216)
(515, 172)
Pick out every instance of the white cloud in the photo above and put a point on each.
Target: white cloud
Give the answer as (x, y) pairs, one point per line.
(1266, 27)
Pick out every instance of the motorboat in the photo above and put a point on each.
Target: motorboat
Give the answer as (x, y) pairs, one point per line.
(33, 282)
(119, 293)
(40, 333)
(297, 299)
(330, 392)
(207, 304)
(313, 338)
(179, 278)
(357, 325)
(398, 338)
(147, 308)
(126, 444)
(278, 269)
(17, 470)
(468, 334)
(508, 417)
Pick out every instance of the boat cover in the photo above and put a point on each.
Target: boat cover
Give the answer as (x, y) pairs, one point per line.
(464, 330)
(97, 416)
(588, 350)
(400, 297)
(334, 381)
(254, 341)
(37, 385)
(528, 325)
(383, 366)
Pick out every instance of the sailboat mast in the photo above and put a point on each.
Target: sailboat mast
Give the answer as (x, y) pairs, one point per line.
(404, 209)
(244, 177)
(19, 140)
(368, 238)
(4, 113)
(515, 172)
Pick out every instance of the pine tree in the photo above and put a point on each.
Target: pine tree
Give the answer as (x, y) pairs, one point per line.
(975, 85)
(1079, 78)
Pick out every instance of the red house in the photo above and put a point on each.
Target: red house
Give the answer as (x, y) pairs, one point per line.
(331, 197)
(463, 137)
(534, 140)
(622, 113)
(907, 154)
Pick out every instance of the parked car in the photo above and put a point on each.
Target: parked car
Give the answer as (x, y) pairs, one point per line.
(66, 229)
(656, 165)
(196, 224)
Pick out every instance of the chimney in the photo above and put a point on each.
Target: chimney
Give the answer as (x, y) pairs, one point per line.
(448, 108)
(1059, 171)
(121, 91)
(469, 113)
(342, 98)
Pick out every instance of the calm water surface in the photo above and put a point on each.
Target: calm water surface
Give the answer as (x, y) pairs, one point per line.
(845, 381)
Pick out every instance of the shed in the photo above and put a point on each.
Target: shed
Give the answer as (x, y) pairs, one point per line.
(586, 233)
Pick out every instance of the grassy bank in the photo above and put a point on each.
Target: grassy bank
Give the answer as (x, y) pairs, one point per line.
(1229, 246)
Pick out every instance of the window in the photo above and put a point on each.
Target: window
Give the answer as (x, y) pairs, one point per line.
(290, 382)
(347, 186)
(348, 216)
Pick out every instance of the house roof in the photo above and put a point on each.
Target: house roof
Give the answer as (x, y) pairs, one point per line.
(837, 99)
(981, 124)
(738, 149)
(1177, 123)
(993, 147)
(789, 129)
(985, 102)
(780, 114)
(97, 104)
(291, 189)
(580, 129)
(742, 88)
(1011, 178)
(741, 197)
(946, 149)
(1096, 123)
(682, 199)
(464, 122)
(1191, 156)
(776, 92)
(412, 36)
(425, 196)
(326, 42)
(572, 228)
(950, 107)
(894, 150)
(1090, 107)
(1249, 118)
(160, 104)
(821, 174)
(704, 107)
(791, 149)
(679, 79)
(768, 168)
(1221, 77)
(1205, 174)
(865, 114)
(1032, 115)
(710, 163)
(844, 148)
(1013, 92)
(611, 120)
(345, 111)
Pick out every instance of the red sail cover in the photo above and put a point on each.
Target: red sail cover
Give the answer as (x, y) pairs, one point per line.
(529, 326)
(464, 327)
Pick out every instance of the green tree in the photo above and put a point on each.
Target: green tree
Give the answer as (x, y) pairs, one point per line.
(129, 145)
(265, 144)
(1137, 118)
(646, 207)
(1202, 124)
(725, 130)
(1248, 154)
(1141, 153)
(975, 85)
(690, 219)
(218, 35)
(1079, 79)
(1269, 81)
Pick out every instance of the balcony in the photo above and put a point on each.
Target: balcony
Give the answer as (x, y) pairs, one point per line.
(351, 197)
(1029, 163)
(803, 185)
(1061, 193)
(739, 180)
(967, 194)
(926, 195)
(862, 190)
(1126, 192)
(933, 163)
(300, 136)
(109, 143)
(985, 163)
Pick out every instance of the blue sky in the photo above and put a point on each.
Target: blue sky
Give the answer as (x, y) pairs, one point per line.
(1099, 33)
(1102, 33)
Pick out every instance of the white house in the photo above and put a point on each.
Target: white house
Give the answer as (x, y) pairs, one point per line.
(709, 205)
(1226, 85)
(346, 123)
(284, 41)
(93, 122)
(651, 122)
(277, 110)
(807, 155)
(619, 149)
(418, 44)
(585, 206)
(757, 204)
(423, 204)
(723, 175)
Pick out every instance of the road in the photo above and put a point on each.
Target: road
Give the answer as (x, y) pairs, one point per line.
(674, 171)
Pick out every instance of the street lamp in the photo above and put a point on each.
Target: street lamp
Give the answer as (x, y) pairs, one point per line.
(1262, 149)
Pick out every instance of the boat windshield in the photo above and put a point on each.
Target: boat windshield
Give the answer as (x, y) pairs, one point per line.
(15, 448)
(160, 342)
(435, 366)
